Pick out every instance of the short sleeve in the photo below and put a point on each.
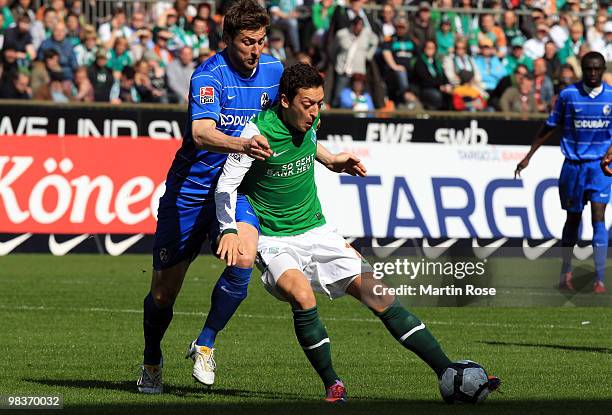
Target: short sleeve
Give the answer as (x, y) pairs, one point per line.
(556, 115)
(205, 96)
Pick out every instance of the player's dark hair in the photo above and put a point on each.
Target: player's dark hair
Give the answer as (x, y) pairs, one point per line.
(593, 55)
(299, 76)
(244, 15)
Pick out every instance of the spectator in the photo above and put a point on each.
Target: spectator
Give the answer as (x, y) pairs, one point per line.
(60, 8)
(1, 36)
(467, 96)
(607, 52)
(184, 14)
(434, 88)
(211, 30)
(460, 61)
(559, 33)
(179, 74)
(343, 16)
(6, 13)
(18, 38)
(125, 89)
(41, 74)
(21, 7)
(119, 56)
(356, 97)
(543, 86)
(575, 60)
(573, 43)
(399, 54)
(82, 89)
(276, 47)
(490, 66)
(147, 92)
(520, 99)
(101, 77)
(596, 34)
(160, 49)
(58, 91)
(42, 30)
(353, 47)
(517, 56)
(285, 15)
(179, 35)
(199, 40)
(137, 25)
(437, 16)
(387, 17)
(85, 52)
(74, 29)
(567, 77)
(510, 26)
(467, 25)
(117, 27)
(143, 44)
(445, 38)
(59, 42)
(553, 65)
(534, 47)
(15, 86)
(422, 28)
(494, 33)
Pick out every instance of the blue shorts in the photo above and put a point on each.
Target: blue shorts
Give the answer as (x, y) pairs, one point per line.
(581, 182)
(184, 225)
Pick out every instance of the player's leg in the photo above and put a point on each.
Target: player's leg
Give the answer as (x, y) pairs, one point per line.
(309, 329)
(600, 244)
(571, 193)
(404, 326)
(227, 295)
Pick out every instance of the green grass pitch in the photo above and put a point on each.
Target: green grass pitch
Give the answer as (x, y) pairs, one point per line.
(73, 326)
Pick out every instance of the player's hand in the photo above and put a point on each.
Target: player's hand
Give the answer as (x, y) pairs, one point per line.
(605, 163)
(347, 163)
(520, 167)
(230, 248)
(258, 147)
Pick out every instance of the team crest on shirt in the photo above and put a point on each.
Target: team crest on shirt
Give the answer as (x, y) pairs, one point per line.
(265, 101)
(606, 109)
(207, 95)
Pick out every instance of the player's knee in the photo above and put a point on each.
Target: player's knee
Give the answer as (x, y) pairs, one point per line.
(236, 281)
(162, 297)
(303, 299)
(246, 260)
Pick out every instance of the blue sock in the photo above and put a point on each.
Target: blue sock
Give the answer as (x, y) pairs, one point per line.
(156, 321)
(600, 249)
(230, 290)
(568, 241)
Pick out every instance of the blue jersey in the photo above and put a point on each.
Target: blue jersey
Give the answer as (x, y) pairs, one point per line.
(218, 92)
(587, 122)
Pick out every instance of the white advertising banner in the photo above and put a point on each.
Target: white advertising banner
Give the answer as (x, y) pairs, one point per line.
(416, 190)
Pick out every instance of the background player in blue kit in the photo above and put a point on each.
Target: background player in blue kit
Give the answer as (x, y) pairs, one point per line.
(226, 91)
(584, 110)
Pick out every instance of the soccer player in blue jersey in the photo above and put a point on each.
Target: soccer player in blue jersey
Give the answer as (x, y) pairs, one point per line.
(226, 91)
(584, 111)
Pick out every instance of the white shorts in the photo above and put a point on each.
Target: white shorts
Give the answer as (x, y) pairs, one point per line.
(327, 260)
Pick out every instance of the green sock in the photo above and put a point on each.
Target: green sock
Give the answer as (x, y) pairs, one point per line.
(312, 336)
(413, 335)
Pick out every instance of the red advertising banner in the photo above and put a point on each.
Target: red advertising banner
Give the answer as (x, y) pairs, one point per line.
(74, 185)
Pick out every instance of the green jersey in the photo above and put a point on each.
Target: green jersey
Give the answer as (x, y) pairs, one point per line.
(281, 189)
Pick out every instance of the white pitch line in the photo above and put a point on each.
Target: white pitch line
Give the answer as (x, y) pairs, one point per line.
(287, 317)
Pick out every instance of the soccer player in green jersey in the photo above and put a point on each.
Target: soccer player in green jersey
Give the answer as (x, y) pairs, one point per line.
(298, 251)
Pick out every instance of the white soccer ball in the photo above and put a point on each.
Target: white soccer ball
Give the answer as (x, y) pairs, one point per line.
(464, 381)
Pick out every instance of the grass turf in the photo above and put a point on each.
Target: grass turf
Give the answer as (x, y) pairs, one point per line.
(73, 326)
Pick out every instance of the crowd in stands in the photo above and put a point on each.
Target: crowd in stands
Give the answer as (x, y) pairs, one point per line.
(465, 55)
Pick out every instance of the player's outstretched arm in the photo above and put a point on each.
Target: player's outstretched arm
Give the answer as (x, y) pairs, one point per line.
(207, 137)
(605, 162)
(341, 162)
(543, 135)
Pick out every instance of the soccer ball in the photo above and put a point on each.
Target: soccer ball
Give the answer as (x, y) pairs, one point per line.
(464, 381)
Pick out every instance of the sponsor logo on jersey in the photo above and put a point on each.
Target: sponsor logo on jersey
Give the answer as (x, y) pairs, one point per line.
(207, 95)
(596, 124)
(235, 120)
(265, 101)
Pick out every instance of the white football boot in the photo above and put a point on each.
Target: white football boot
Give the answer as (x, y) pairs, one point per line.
(150, 379)
(203, 363)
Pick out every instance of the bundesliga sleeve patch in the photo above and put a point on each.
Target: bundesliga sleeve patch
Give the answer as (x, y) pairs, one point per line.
(207, 95)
